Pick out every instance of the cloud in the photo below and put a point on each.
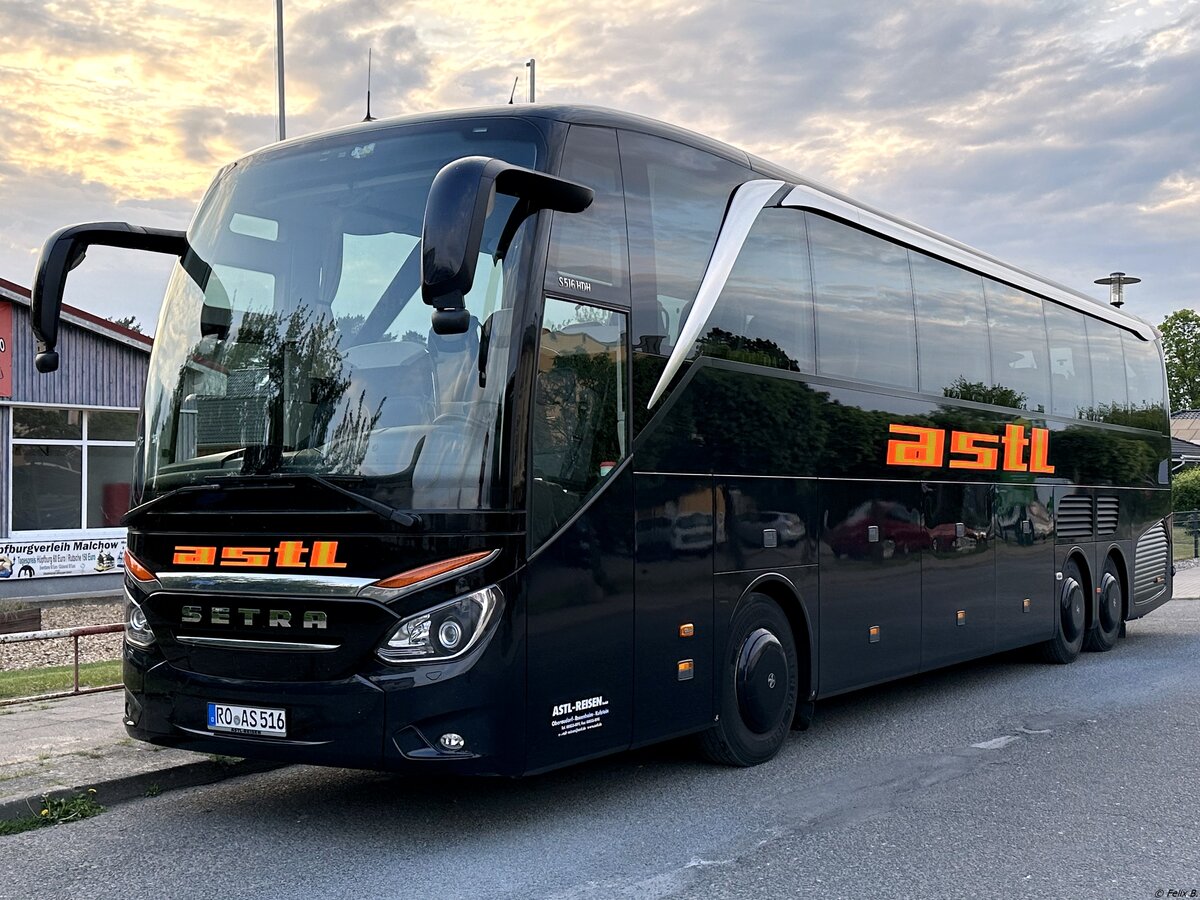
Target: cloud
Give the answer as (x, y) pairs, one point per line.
(1059, 135)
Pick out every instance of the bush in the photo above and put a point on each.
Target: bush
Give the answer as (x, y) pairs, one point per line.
(1185, 490)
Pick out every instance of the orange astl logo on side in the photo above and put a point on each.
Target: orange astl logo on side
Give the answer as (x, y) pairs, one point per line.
(926, 448)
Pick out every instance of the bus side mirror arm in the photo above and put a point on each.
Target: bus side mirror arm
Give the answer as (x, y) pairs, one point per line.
(460, 199)
(66, 249)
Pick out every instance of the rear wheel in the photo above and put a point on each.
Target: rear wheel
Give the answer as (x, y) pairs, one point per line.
(1107, 631)
(1070, 617)
(759, 676)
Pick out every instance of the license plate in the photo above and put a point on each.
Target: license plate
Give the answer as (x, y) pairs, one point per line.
(247, 720)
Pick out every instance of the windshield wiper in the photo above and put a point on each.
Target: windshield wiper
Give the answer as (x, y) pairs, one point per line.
(138, 511)
(389, 513)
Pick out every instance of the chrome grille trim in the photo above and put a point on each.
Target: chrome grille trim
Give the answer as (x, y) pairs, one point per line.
(262, 583)
(250, 644)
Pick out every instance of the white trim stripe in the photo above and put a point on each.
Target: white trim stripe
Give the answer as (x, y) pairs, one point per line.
(748, 201)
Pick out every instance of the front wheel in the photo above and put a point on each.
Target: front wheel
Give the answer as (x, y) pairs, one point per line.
(1070, 617)
(759, 677)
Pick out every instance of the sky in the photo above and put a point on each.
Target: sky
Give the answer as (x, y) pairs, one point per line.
(1062, 136)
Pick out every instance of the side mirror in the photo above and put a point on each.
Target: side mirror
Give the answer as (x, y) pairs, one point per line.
(459, 201)
(65, 250)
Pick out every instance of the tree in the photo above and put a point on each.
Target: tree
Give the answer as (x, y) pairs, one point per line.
(961, 389)
(1181, 346)
(130, 322)
(1185, 490)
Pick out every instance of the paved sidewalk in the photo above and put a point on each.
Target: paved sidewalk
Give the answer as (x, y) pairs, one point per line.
(66, 746)
(1187, 584)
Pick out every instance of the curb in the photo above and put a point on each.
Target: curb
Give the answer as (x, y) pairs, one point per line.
(136, 787)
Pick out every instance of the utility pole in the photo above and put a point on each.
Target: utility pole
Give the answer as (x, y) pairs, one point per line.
(531, 66)
(279, 64)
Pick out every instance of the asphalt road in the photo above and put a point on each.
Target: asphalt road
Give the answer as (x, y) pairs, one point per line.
(999, 778)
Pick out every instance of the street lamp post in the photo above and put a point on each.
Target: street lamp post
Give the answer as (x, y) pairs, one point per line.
(279, 63)
(1116, 287)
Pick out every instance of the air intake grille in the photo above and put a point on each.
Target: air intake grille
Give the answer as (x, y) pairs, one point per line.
(1075, 518)
(1107, 513)
(1150, 566)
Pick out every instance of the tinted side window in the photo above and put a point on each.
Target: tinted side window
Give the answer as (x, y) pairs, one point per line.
(676, 198)
(765, 313)
(1145, 377)
(951, 328)
(1108, 370)
(1070, 362)
(587, 250)
(1020, 360)
(866, 328)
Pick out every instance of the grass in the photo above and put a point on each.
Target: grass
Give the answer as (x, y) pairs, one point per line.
(55, 811)
(1183, 543)
(48, 680)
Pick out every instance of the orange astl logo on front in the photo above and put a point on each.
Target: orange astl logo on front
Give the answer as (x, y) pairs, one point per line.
(287, 555)
(926, 448)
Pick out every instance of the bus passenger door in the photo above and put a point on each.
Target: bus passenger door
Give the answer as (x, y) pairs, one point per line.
(580, 573)
(872, 540)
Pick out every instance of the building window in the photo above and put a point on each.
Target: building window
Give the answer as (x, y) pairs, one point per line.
(71, 468)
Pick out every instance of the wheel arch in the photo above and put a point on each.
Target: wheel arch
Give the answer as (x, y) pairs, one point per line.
(789, 599)
(1079, 556)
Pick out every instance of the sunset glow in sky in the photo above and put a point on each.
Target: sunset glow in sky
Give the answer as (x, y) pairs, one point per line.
(1061, 136)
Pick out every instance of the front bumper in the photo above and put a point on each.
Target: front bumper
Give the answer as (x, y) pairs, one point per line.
(388, 723)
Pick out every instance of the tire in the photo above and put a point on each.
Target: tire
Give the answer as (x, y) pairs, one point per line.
(1109, 619)
(759, 674)
(1070, 618)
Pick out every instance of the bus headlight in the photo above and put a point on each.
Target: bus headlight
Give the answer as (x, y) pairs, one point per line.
(444, 632)
(137, 629)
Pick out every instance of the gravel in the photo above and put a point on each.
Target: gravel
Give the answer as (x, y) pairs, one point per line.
(58, 652)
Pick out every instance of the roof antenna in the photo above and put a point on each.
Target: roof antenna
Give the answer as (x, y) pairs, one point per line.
(514, 90)
(369, 117)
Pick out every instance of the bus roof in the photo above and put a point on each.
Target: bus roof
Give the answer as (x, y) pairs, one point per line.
(838, 204)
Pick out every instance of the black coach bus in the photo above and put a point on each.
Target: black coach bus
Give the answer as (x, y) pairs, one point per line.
(497, 440)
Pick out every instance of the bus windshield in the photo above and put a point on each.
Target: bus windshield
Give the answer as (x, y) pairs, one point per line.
(293, 339)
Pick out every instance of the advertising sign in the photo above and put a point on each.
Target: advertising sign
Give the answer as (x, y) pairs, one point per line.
(48, 559)
(6, 322)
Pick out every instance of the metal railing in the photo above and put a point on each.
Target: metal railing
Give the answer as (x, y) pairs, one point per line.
(1186, 533)
(75, 634)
